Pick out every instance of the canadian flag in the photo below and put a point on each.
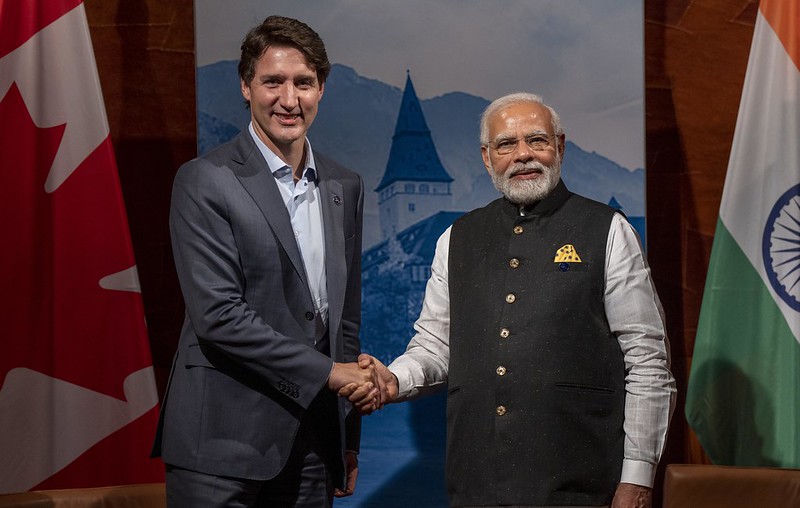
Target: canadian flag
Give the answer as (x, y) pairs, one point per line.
(78, 400)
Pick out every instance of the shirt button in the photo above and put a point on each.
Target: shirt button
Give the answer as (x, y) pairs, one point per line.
(501, 371)
(309, 316)
(513, 263)
(504, 333)
(518, 230)
(510, 298)
(501, 410)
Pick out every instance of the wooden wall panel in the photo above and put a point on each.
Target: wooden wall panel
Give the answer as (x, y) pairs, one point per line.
(696, 55)
(145, 58)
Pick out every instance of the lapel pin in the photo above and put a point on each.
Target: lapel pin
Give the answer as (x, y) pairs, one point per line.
(337, 200)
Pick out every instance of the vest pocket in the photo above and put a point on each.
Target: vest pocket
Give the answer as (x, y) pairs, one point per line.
(585, 388)
(585, 403)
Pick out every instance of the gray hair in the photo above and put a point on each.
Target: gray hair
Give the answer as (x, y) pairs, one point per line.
(510, 100)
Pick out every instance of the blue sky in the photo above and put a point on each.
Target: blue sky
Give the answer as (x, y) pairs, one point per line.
(585, 57)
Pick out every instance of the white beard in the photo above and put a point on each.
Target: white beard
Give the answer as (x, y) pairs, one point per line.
(527, 192)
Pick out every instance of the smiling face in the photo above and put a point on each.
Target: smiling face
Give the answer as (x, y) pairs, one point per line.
(530, 170)
(284, 95)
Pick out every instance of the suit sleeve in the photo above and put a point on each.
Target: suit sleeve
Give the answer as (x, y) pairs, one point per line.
(231, 334)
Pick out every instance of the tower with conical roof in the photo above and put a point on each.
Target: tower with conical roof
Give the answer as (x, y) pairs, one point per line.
(415, 184)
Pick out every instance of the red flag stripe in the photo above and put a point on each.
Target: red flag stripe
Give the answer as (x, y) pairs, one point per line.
(19, 20)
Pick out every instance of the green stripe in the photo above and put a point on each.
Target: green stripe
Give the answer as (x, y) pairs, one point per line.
(744, 392)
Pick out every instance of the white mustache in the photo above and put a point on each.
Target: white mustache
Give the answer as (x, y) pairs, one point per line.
(526, 167)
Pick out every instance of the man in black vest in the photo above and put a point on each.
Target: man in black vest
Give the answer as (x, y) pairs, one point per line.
(542, 319)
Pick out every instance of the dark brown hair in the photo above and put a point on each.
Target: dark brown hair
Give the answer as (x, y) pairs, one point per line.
(283, 31)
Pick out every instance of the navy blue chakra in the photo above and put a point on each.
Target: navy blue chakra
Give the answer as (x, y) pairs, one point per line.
(781, 247)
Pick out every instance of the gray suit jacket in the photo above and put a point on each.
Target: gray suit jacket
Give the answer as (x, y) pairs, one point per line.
(246, 370)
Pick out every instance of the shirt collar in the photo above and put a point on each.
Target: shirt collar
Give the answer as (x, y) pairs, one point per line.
(277, 167)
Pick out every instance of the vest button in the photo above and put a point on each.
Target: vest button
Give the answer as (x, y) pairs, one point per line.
(501, 410)
(501, 371)
(513, 263)
(510, 298)
(504, 333)
(309, 316)
(518, 230)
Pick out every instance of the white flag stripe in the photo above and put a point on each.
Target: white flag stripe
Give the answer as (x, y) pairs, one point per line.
(125, 280)
(62, 88)
(62, 421)
(765, 156)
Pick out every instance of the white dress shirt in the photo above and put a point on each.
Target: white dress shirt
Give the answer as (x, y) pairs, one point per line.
(634, 315)
(302, 202)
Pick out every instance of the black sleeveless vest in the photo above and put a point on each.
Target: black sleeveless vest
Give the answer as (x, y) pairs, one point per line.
(536, 379)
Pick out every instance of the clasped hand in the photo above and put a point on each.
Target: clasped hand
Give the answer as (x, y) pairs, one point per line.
(368, 384)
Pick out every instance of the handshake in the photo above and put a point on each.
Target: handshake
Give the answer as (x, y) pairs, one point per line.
(368, 384)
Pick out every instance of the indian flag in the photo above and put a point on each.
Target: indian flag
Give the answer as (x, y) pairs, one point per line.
(743, 399)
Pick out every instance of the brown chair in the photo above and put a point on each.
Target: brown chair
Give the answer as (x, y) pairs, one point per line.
(702, 486)
(150, 495)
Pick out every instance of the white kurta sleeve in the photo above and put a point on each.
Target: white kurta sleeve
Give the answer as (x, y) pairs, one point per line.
(636, 318)
(423, 367)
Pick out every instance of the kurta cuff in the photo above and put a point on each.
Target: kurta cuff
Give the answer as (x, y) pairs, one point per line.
(638, 472)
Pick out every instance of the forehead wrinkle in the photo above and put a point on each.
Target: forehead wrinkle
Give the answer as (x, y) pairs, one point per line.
(506, 136)
(286, 70)
(536, 132)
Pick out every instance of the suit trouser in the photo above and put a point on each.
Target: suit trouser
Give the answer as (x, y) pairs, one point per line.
(304, 482)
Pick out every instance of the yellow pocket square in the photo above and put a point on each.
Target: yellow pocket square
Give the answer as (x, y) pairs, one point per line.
(567, 254)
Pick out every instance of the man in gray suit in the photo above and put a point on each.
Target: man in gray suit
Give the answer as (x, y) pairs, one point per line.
(267, 241)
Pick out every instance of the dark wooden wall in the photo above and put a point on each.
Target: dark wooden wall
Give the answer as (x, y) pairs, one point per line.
(696, 55)
(145, 57)
(695, 60)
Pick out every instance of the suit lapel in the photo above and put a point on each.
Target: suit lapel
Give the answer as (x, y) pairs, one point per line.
(332, 202)
(256, 178)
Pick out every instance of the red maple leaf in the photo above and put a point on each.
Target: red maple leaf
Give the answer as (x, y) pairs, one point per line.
(59, 247)
(57, 319)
